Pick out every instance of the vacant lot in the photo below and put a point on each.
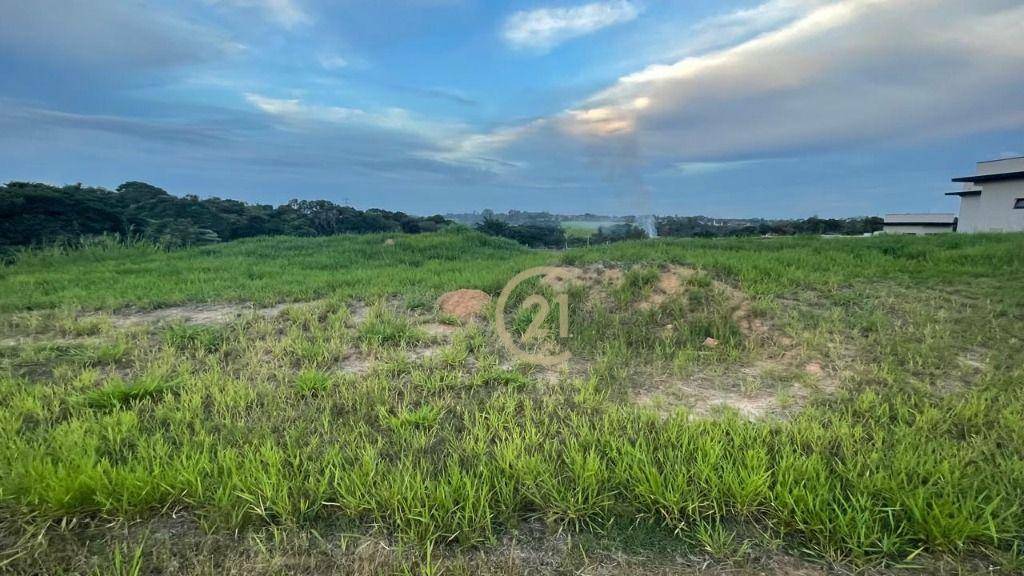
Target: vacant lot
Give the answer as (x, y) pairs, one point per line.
(289, 405)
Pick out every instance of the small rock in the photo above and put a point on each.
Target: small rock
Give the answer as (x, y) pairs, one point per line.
(463, 304)
(710, 342)
(814, 369)
(389, 242)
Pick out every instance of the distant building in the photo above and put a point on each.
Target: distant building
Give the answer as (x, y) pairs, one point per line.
(993, 200)
(918, 223)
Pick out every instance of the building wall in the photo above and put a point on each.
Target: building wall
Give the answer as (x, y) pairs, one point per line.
(970, 214)
(915, 229)
(993, 210)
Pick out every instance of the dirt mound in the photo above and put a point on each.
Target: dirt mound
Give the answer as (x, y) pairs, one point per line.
(669, 284)
(672, 281)
(464, 304)
(772, 380)
(601, 277)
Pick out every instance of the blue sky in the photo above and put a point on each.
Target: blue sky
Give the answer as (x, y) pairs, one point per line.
(777, 108)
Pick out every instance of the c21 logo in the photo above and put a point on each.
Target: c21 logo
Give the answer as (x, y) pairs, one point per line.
(544, 309)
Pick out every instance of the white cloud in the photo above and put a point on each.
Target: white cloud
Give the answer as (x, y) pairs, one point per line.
(333, 61)
(286, 13)
(704, 168)
(763, 17)
(545, 28)
(294, 110)
(298, 115)
(452, 143)
(479, 148)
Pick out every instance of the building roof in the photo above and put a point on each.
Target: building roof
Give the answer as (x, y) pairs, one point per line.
(964, 193)
(1002, 159)
(997, 177)
(921, 219)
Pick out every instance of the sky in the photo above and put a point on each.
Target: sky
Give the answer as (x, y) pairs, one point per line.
(726, 108)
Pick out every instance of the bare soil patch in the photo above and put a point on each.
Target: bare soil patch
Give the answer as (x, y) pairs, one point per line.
(438, 330)
(669, 284)
(756, 390)
(464, 304)
(593, 276)
(357, 364)
(196, 314)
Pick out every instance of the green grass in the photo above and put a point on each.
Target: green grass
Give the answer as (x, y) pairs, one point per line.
(117, 393)
(385, 328)
(262, 270)
(916, 455)
(265, 270)
(585, 228)
(186, 337)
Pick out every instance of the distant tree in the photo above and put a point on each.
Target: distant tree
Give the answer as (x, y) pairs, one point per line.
(495, 227)
(701, 227)
(37, 213)
(177, 233)
(534, 236)
(618, 233)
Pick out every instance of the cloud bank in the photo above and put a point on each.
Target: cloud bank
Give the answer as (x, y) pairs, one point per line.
(841, 73)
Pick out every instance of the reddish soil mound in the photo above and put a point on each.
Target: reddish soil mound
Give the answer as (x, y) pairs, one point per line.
(463, 304)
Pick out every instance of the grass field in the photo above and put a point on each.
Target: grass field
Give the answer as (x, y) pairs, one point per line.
(585, 228)
(286, 405)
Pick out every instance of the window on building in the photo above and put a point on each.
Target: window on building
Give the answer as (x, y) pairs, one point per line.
(1019, 204)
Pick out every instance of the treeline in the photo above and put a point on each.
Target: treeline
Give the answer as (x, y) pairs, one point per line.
(553, 235)
(34, 214)
(522, 217)
(532, 235)
(703, 227)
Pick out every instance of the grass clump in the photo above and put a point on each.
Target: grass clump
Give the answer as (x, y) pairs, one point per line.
(194, 338)
(636, 283)
(313, 381)
(404, 418)
(385, 328)
(119, 393)
(500, 377)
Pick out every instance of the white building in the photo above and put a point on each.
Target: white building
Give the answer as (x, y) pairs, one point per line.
(993, 200)
(918, 223)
